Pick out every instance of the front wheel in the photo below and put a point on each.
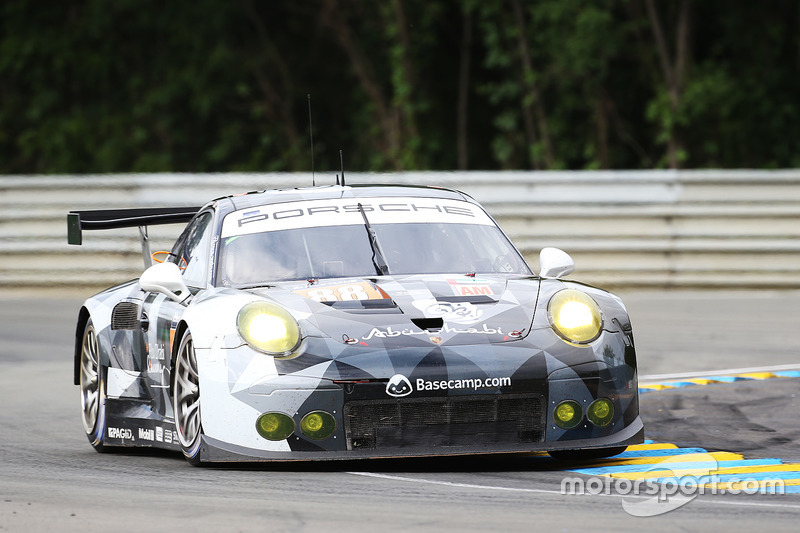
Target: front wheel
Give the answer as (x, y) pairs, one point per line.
(186, 400)
(585, 455)
(92, 385)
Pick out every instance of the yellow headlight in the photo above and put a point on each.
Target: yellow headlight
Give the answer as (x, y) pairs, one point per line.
(269, 328)
(601, 411)
(575, 316)
(318, 425)
(567, 414)
(275, 426)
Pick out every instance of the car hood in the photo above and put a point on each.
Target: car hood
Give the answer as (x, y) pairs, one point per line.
(409, 310)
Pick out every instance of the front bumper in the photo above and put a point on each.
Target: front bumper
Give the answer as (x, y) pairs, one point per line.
(480, 399)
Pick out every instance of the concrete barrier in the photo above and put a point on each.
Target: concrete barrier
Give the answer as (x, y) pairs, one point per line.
(625, 229)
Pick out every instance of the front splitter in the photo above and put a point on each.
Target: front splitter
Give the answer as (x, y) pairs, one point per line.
(216, 451)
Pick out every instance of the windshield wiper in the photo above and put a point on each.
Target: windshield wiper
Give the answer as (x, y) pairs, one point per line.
(377, 254)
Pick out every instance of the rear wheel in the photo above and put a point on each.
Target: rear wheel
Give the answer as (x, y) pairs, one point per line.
(583, 455)
(92, 385)
(186, 400)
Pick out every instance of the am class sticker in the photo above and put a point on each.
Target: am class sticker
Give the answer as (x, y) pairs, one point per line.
(471, 287)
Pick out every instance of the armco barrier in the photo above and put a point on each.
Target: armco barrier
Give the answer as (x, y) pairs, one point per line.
(624, 229)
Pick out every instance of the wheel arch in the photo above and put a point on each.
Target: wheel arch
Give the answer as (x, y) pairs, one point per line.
(180, 331)
(83, 319)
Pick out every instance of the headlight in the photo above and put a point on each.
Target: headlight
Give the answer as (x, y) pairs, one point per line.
(575, 316)
(568, 414)
(269, 328)
(275, 426)
(318, 425)
(600, 412)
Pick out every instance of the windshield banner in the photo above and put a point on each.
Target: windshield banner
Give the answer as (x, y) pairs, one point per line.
(344, 212)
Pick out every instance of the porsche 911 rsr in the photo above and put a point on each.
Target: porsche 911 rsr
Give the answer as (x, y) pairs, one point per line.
(351, 322)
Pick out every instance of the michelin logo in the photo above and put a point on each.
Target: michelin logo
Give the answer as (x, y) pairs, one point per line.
(398, 386)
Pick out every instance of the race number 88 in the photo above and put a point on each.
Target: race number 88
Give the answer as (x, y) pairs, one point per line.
(338, 294)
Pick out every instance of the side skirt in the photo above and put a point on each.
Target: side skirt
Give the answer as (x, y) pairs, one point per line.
(131, 423)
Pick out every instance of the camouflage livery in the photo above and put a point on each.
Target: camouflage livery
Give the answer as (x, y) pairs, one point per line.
(405, 364)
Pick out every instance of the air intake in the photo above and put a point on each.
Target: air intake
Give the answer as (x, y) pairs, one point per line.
(428, 324)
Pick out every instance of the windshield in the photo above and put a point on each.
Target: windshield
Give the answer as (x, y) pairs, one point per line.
(433, 246)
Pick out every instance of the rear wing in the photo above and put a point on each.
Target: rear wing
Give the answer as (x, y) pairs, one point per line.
(77, 221)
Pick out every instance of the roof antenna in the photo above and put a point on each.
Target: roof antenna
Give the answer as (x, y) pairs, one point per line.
(341, 164)
(311, 134)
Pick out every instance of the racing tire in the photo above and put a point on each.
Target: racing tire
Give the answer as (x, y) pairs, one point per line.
(93, 389)
(585, 455)
(186, 400)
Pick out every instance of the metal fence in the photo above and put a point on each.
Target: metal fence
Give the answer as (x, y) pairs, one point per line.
(624, 229)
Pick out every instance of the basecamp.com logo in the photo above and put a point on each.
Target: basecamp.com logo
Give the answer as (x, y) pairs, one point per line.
(400, 386)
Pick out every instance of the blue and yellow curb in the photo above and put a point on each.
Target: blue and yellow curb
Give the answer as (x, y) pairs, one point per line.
(708, 380)
(662, 463)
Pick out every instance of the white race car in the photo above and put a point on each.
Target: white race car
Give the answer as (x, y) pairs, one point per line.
(351, 322)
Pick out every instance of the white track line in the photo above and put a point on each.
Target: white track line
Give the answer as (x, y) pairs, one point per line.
(743, 503)
(724, 372)
(452, 484)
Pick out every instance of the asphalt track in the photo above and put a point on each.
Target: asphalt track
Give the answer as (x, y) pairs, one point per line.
(51, 479)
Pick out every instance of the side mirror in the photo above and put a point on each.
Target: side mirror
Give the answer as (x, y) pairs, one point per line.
(555, 263)
(165, 278)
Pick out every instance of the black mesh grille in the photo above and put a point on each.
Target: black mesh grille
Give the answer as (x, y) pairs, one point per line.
(125, 316)
(445, 421)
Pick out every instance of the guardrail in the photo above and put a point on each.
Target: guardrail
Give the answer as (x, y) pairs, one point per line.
(625, 229)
